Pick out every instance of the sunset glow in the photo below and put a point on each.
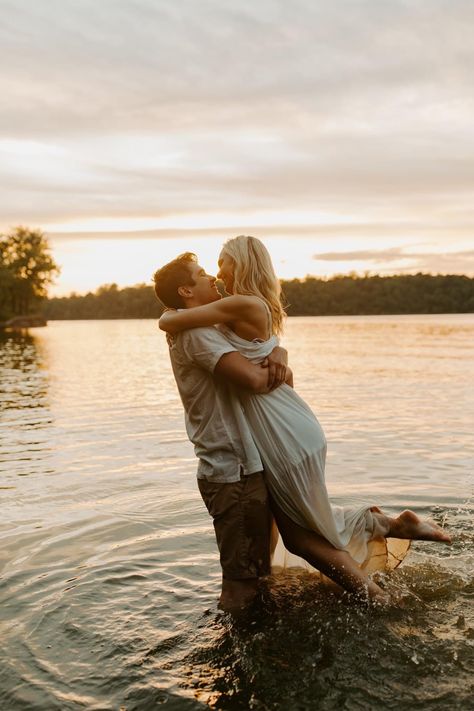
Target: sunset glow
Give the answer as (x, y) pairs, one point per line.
(338, 134)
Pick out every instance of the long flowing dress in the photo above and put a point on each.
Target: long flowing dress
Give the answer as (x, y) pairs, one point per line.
(292, 447)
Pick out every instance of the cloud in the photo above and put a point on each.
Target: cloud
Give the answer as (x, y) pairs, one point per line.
(399, 260)
(149, 108)
(151, 65)
(383, 255)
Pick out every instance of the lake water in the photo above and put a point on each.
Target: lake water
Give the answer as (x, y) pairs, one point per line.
(108, 567)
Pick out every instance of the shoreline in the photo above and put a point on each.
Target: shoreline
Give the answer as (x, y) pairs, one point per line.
(18, 323)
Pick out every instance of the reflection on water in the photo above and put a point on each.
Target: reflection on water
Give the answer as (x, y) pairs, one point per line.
(24, 405)
(24, 374)
(108, 568)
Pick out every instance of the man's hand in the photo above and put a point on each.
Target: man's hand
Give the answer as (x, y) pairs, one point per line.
(239, 371)
(236, 369)
(276, 363)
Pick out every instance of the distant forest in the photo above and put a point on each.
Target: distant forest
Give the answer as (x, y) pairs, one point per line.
(340, 295)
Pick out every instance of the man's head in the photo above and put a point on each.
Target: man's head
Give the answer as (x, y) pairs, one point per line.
(182, 283)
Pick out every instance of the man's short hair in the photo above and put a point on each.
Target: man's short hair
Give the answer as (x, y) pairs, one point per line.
(169, 278)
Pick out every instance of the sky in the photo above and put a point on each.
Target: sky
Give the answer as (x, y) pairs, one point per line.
(340, 132)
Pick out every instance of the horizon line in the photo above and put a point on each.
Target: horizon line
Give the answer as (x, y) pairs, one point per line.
(353, 274)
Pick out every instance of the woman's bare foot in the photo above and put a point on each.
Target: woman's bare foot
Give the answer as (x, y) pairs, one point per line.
(409, 525)
(376, 509)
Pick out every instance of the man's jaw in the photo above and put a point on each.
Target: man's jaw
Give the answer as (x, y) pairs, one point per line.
(202, 299)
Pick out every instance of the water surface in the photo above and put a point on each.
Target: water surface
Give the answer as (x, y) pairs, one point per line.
(108, 567)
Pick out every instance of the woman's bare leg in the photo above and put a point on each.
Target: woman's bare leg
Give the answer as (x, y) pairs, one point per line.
(318, 552)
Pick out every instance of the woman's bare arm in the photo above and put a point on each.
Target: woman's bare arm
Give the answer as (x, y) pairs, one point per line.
(222, 311)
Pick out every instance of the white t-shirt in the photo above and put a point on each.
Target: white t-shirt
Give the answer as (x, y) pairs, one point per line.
(215, 421)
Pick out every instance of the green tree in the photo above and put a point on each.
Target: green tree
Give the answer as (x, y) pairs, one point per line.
(343, 294)
(6, 284)
(27, 269)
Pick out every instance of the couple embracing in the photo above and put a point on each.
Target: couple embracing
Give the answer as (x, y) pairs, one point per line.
(260, 448)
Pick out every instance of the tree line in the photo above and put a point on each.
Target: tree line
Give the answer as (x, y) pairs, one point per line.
(340, 295)
(27, 269)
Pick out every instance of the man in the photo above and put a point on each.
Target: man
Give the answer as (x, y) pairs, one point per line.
(229, 472)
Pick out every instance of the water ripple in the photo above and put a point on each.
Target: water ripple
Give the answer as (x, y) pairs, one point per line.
(108, 567)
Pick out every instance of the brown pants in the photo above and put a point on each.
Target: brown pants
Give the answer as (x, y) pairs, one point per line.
(242, 521)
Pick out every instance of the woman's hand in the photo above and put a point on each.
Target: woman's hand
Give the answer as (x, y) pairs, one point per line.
(165, 318)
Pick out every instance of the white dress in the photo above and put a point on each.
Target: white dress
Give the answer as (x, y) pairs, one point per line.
(292, 447)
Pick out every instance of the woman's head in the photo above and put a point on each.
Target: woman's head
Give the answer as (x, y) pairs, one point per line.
(245, 267)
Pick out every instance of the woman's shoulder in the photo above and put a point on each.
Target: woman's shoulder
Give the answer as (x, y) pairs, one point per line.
(247, 301)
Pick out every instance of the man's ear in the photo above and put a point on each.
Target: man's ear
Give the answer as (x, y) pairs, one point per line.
(185, 292)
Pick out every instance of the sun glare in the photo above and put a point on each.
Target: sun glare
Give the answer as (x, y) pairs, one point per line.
(86, 264)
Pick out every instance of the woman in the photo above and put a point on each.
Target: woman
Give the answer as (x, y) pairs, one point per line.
(290, 439)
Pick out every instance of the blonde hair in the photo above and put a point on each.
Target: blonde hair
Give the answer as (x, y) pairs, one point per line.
(254, 275)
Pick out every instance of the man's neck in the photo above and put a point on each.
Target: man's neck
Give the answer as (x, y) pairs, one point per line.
(191, 303)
